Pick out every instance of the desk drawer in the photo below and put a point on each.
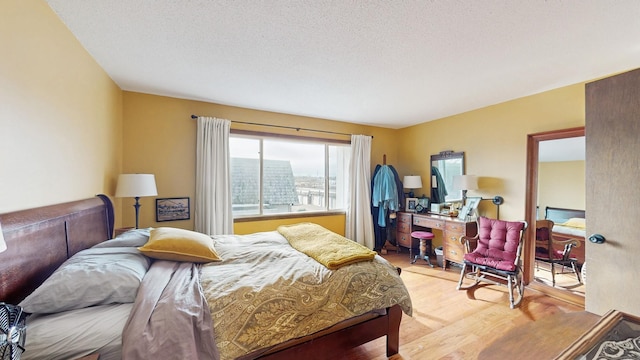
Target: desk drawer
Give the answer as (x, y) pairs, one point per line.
(405, 240)
(404, 227)
(454, 252)
(404, 217)
(427, 222)
(456, 227)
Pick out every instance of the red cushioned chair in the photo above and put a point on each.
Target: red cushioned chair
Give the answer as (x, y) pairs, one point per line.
(548, 250)
(496, 258)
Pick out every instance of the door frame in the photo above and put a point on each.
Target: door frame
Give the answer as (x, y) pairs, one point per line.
(531, 200)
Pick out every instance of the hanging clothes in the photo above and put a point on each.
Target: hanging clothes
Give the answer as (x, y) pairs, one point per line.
(439, 191)
(387, 196)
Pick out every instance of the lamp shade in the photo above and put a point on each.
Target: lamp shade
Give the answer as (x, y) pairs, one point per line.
(412, 182)
(136, 185)
(465, 182)
(3, 244)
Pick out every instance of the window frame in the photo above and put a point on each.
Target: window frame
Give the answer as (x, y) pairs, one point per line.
(315, 213)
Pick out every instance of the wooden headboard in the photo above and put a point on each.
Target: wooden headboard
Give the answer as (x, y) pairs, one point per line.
(39, 240)
(561, 215)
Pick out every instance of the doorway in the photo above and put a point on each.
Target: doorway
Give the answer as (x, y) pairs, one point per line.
(531, 211)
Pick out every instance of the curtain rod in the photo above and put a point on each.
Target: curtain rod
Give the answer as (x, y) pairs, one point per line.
(284, 127)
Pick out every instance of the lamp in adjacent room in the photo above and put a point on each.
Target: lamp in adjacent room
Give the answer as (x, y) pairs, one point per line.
(412, 182)
(136, 186)
(464, 183)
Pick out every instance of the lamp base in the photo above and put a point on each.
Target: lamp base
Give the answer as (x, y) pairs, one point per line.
(137, 206)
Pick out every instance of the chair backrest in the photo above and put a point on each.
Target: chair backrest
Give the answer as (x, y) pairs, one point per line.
(545, 242)
(543, 231)
(500, 239)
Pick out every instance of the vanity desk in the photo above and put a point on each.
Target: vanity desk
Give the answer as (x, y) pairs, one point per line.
(452, 229)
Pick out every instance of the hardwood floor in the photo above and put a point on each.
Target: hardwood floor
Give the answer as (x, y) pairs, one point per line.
(452, 324)
(565, 279)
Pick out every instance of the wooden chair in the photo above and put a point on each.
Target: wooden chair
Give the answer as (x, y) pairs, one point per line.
(496, 258)
(554, 252)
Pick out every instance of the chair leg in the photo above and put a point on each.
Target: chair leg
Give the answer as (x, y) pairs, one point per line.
(553, 275)
(464, 268)
(510, 287)
(575, 271)
(476, 277)
(515, 283)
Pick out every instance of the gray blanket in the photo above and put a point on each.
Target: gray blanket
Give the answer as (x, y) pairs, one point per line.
(170, 318)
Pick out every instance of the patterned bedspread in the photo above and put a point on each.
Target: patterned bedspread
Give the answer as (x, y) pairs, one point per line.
(264, 292)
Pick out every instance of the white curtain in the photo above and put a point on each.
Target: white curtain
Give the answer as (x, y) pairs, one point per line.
(213, 214)
(359, 223)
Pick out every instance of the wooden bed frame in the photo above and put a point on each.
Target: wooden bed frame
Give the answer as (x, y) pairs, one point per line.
(552, 213)
(39, 240)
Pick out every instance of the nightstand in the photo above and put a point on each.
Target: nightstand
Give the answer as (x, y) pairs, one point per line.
(121, 230)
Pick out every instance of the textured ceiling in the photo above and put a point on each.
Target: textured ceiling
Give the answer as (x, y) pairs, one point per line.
(386, 63)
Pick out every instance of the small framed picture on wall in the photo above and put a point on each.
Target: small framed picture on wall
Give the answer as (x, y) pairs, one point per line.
(170, 209)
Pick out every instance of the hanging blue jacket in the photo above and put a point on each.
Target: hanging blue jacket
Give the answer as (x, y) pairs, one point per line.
(385, 193)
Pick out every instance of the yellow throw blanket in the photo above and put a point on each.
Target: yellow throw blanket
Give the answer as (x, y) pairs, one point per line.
(326, 247)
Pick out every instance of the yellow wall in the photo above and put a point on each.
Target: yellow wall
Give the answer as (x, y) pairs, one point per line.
(494, 140)
(561, 184)
(160, 138)
(60, 114)
(335, 223)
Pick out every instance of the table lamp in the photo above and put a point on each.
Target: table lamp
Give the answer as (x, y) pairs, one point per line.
(464, 183)
(412, 182)
(136, 186)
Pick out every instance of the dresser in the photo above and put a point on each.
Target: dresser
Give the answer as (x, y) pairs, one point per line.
(452, 229)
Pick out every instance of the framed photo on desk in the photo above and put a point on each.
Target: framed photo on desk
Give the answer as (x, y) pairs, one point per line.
(463, 213)
(410, 204)
(472, 204)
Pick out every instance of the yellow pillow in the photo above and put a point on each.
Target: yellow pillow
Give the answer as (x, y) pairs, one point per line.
(575, 223)
(179, 245)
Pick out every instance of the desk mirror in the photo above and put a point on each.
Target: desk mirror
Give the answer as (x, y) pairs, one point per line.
(444, 167)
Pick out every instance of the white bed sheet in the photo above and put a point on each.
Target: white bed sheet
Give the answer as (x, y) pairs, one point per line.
(77, 333)
(567, 230)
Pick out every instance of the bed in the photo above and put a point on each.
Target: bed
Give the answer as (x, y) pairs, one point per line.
(40, 240)
(568, 224)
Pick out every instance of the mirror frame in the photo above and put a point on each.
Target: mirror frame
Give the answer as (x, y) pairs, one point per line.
(444, 155)
(531, 200)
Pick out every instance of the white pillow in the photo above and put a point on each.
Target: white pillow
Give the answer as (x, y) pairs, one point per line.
(131, 238)
(77, 333)
(91, 277)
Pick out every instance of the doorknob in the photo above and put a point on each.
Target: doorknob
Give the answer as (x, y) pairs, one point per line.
(597, 239)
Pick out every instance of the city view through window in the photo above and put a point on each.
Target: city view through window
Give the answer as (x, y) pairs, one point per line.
(296, 176)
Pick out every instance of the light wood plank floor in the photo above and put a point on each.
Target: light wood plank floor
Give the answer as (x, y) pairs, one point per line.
(452, 324)
(565, 278)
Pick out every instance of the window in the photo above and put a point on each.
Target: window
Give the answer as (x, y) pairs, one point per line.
(272, 175)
